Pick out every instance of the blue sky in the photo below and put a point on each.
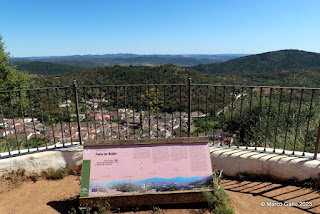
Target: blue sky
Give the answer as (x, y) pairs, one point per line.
(68, 27)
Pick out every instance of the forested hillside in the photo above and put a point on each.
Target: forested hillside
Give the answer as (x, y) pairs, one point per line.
(108, 60)
(284, 60)
(280, 68)
(285, 68)
(125, 75)
(44, 68)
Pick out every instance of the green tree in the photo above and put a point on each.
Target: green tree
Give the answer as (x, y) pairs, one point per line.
(10, 78)
(259, 127)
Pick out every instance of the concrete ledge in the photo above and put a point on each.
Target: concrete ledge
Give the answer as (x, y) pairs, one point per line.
(234, 160)
(70, 157)
(231, 160)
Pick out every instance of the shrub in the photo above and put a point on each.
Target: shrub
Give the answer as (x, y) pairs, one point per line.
(52, 174)
(218, 200)
(21, 172)
(11, 180)
(101, 207)
(243, 176)
(223, 210)
(33, 176)
(157, 210)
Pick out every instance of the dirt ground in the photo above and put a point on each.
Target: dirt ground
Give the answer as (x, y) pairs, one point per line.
(60, 196)
(248, 197)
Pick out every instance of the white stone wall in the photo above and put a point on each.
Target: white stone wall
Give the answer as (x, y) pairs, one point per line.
(37, 162)
(231, 160)
(274, 165)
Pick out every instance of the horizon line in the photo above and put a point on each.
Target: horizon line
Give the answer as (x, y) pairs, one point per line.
(157, 54)
(199, 54)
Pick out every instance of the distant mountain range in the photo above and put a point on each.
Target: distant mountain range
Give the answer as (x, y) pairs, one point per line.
(107, 60)
(284, 68)
(223, 57)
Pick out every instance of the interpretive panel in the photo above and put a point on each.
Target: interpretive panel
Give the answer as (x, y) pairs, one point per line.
(130, 169)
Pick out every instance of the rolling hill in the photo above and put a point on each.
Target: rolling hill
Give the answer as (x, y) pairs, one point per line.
(285, 67)
(44, 68)
(108, 60)
(125, 75)
(280, 68)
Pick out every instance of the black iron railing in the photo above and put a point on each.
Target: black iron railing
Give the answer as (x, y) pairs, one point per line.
(276, 118)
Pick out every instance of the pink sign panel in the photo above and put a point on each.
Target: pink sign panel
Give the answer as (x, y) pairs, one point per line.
(146, 168)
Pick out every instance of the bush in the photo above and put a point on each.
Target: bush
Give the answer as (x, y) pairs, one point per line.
(33, 176)
(11, 180)
(52, 174)
(101, 207)
(157, 210)
(218, 200)
(243, 176)
(223, 210)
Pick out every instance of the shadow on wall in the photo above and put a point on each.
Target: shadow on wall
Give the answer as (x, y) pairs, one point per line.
(73, 158)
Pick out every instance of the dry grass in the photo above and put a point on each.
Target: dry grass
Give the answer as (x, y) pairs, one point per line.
(11, 180)
(14, 179)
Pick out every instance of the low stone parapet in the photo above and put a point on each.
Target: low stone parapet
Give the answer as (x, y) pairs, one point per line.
(70, 157)
(233, 161)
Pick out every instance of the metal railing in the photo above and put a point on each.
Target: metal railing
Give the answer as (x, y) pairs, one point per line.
(285, 118)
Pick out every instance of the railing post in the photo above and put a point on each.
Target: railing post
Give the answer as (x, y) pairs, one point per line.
(189, 107)
(76, 102)
(317, 144)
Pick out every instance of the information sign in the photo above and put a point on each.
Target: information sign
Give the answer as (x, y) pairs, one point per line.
(138, 167)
